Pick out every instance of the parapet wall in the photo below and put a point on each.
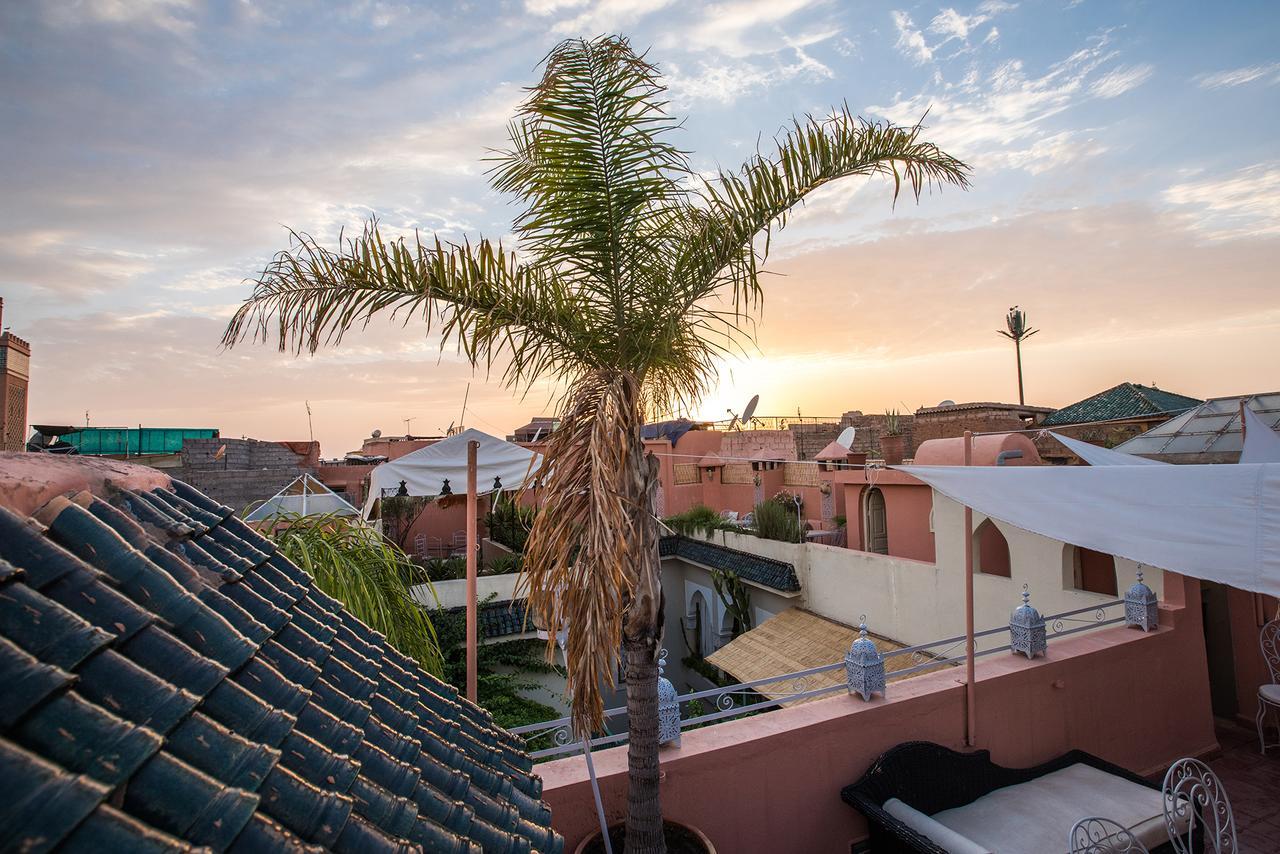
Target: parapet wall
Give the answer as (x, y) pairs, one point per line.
(771, 783)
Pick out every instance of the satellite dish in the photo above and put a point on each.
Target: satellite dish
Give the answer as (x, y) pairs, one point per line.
(750, 410)
(377, 434)
(845, 439)
(947, 402)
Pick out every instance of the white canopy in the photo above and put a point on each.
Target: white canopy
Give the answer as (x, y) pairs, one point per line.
(1096, 456)
(1261, 443)
(304, 496)
(425, 470)
(1215, 522)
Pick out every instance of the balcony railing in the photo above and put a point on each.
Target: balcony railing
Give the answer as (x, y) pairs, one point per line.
(741, 699)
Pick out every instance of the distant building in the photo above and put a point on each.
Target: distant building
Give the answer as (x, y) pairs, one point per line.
(536, 430)
(15, 375)
(1111, 417)
(241, 472)
(947, 421)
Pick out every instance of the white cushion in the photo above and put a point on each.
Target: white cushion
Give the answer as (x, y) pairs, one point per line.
(941, 835)
(1037, 816)
(1270, 693)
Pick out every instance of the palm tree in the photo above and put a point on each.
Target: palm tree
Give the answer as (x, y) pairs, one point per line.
(635, 275)
(1018, 331)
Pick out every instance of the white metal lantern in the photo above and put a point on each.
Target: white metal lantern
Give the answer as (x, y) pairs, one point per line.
(1141, 608)
(1026, 628)
(864, 665)
(668, 707)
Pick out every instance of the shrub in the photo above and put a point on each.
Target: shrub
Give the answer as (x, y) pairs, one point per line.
(505, 564)
(509, 523)
(699, 519)
(775, 522)
(444, 568)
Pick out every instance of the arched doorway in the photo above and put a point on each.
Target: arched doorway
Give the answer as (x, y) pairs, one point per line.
(876, 538)
(990, 551)
(697, 624)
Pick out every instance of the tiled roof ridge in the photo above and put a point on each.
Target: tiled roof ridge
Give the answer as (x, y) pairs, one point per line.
(171, 680)
(768, 571)
(1123, 400)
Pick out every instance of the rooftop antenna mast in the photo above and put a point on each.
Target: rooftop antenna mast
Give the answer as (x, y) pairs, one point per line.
(462, 419)
(408, 422)
(311, 431)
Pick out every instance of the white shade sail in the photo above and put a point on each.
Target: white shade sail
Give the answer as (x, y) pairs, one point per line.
(1214, 522)
(1261, 443)
(1096, 456)
(425, 470)
(304, 496)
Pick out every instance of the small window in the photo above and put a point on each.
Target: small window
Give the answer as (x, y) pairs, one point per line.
(990, 551)
(1093, 572)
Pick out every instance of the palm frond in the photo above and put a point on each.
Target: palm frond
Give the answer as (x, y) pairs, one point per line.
(754, 201)
(364, 572)
(478, 296)
(589, 161)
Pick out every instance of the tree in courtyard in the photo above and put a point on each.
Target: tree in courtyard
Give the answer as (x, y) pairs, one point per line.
(1017, 330)
(635, 274)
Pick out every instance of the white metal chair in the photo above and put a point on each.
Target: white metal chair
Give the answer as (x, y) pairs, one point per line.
(1269, 695)
(420, 545)
(435, 547)
(1192, 792)
(459, 543)
(1097, 835)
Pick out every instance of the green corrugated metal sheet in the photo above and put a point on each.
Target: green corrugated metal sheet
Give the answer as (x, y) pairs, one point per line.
(103, 441)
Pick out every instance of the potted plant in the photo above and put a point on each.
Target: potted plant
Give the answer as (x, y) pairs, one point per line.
(681, 839)
(892, 442)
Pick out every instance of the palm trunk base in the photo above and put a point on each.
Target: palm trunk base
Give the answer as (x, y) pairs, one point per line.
(644, 809)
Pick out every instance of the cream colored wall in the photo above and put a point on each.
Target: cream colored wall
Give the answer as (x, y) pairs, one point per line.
(453, 593)
(916, 602)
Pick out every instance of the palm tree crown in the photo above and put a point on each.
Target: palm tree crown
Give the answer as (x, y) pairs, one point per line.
(634, 274)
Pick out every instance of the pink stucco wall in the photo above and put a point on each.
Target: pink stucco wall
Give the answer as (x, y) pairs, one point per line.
(771, 783)
(908, 503)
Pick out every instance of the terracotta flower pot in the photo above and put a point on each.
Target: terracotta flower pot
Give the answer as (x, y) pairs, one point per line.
(688, 835)
(856, 459)
(892, 448)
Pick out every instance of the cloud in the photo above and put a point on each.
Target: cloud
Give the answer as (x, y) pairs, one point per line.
(911, 42)
(950, 26)
(1269, 73)
(1121, 80)
(1004, 117)
(742, 28)
(606, 16)
(726, 82)
(1243, 203)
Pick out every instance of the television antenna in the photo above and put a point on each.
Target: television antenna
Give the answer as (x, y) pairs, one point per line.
(845, 439)
(408, 422)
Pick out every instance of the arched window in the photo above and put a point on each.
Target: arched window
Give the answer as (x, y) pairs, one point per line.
(990, 550)
(877, 523)
(1085, 569)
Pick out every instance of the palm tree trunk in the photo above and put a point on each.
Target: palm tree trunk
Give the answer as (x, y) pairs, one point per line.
(641, 640)
(1017, 348)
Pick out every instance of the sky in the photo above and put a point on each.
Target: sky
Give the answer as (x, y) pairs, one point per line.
(1126, 194)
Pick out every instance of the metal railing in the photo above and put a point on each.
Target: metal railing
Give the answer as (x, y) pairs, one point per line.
(743, 698)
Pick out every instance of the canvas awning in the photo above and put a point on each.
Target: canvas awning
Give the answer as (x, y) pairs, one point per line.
(1096, 456)
(1214, 522)
(304, 496)
(792, 641)
(425, 470)
(1261, 443)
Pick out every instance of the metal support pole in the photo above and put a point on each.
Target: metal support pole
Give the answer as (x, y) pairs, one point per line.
(472, 447)
(970, 722)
